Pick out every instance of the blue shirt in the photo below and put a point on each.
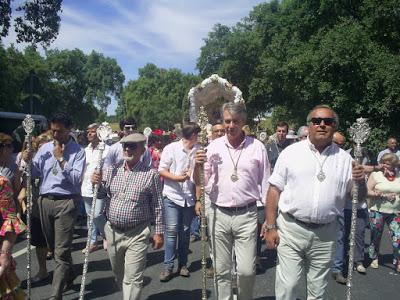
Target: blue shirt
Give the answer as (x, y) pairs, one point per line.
(59, 182)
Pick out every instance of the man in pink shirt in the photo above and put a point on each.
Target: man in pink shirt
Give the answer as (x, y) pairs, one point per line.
(236, 168)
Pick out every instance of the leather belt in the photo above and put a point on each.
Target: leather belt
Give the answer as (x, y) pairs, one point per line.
(306, 224)
(236, 208)
(59, 197)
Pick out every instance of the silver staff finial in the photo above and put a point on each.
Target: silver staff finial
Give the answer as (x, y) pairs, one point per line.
(29, 124)
(359, 131)
(104, 131)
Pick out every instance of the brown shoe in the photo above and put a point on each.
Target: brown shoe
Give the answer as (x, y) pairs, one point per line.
(166, 275)
(184, 272)
(92, 248)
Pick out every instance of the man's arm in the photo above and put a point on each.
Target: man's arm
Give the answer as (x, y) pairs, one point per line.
(73, 169)
(157, 211)
(269, 229)
(178, 178)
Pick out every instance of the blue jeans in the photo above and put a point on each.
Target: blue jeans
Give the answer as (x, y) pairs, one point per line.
(342, 242)
(195, 227)
(99, 219)
(177, 225)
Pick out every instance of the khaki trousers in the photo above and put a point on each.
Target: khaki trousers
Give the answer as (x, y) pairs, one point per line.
(300, 250)
(127, 251)
(236, 230)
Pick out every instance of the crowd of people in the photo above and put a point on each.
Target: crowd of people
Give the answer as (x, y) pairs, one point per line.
(149, 193)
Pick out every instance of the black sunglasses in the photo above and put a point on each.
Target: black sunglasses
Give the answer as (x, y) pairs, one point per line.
(130, 146)
(327, 121)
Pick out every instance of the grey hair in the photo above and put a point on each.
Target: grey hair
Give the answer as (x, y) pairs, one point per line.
(324, 106)
(301, 131)
(235, 109)
(93, 126)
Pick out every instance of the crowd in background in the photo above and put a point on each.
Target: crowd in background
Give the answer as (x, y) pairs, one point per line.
(64, 173)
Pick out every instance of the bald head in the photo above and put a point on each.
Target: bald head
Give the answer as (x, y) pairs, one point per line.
(339, 139)
(392, 144)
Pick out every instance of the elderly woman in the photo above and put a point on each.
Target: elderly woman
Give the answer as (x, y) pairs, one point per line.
(384, 206)
(10, 224)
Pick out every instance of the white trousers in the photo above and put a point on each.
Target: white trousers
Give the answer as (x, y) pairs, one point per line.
(127, 252)
(236, 230)
(300, 250)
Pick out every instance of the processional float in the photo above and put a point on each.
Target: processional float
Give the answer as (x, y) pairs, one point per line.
(103, 132)
(29, 125)
(359, 133)
(205, 101)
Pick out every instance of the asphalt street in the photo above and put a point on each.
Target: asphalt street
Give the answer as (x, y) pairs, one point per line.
(381, 283)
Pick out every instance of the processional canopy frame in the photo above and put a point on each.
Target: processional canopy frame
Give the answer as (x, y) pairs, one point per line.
(210, 94)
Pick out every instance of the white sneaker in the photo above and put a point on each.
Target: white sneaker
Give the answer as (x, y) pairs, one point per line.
(361, 269)
(374, 264)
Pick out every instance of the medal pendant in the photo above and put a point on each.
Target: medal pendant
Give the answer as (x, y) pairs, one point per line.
(54, 170)
(234, 177)
(321, 176)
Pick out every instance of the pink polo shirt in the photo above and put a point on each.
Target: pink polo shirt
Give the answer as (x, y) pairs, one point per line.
(252, 172)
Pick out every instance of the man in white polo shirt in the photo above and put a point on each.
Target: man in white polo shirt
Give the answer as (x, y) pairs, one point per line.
(310, 193)
(176, 166)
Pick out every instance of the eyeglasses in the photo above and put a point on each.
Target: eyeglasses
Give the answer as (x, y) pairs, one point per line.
(6, 145)
(130, 146)
(129, 127)
(327, 121)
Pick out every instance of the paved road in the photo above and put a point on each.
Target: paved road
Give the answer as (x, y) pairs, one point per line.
(377, 284)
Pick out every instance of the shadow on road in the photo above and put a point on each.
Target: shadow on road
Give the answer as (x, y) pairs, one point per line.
(178, 295)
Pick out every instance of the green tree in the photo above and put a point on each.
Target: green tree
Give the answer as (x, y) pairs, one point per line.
(304, 52)
(104, 78)
(39, 24)
(158, 97)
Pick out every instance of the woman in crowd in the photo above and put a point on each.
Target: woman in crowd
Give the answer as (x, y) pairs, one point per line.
(10, 224)
(384, 206)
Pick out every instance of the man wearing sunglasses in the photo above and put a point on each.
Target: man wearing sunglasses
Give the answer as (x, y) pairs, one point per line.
(115, 154)
(134, 190)
(176, 166)
(310, 184)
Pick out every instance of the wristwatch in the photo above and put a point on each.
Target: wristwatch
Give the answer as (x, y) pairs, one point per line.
(61, 160)
(268, 227)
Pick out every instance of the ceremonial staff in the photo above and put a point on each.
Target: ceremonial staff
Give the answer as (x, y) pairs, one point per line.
(359, 132)
(28, 124)
(103, 132)
(202, 121)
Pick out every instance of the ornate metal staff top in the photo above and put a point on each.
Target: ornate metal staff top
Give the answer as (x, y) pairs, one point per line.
(103, 132)
(359, 133)
(29, 125)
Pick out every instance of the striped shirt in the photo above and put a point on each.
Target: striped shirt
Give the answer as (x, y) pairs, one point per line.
(135, 197)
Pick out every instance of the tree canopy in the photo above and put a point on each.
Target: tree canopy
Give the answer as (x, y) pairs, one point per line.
(39, 23)
(71, 81)
(158, 98)
(295, 54)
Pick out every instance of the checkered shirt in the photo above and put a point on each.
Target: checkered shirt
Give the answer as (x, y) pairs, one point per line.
(135, 197)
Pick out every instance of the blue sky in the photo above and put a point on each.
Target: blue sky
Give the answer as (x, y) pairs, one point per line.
(168, 33)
